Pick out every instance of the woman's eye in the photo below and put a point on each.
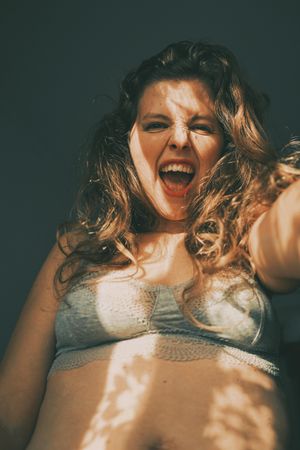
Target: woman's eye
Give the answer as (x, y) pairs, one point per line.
(155, 126)
(202, 128)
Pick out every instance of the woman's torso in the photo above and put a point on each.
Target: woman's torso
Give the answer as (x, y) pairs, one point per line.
(142, 402)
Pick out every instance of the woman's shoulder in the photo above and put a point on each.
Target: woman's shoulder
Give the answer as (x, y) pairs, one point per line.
(68, 239)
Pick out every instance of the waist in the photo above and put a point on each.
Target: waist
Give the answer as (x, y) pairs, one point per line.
(145, 402)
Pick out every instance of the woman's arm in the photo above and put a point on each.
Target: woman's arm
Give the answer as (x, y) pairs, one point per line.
(274, 242)
(24, 368)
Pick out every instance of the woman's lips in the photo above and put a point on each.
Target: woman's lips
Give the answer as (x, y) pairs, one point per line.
(177, 176)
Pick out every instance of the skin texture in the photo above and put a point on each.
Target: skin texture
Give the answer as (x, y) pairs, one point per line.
(151, 404)
(274, 242)
(155, 140)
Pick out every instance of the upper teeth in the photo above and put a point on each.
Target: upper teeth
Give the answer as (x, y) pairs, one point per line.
(178, 168)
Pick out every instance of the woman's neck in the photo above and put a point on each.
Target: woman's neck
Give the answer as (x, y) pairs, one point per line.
(171, 227)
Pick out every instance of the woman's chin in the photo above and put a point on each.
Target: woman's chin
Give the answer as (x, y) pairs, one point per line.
(172, 217)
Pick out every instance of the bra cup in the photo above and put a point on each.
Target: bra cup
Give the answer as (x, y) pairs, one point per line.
(106, 312)
(239, 309)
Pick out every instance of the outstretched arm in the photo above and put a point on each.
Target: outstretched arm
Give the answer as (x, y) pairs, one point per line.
(274, 242)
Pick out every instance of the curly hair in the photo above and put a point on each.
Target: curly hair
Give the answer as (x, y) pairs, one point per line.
(111, 207)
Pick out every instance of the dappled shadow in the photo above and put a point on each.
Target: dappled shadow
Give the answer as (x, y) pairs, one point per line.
(215, 407)
(145, 403)
(126, 397)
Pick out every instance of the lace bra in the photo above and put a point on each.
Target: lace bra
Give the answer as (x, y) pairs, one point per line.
(121, 316)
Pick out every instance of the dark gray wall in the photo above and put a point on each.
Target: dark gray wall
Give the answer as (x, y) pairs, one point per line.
(60, 58)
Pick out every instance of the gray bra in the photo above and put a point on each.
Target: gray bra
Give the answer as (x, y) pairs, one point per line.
(122, 316)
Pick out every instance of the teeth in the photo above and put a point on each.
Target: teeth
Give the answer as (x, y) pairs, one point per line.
(178, 168)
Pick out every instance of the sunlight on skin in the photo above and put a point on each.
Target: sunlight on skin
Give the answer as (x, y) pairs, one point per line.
(178, 135)
(115, 410)
(128, 401)
(251, 376)
(274, 242)
(236, 422)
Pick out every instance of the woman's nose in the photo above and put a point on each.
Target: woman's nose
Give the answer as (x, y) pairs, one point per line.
(179, 139)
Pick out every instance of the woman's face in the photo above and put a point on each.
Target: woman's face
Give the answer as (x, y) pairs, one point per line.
(174, 141)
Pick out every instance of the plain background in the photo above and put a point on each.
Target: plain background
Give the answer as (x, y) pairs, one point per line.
(61, 65)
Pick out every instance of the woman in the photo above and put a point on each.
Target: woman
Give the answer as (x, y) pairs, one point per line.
(149, 325)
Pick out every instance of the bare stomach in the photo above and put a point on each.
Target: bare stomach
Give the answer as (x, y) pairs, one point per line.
(151, 404)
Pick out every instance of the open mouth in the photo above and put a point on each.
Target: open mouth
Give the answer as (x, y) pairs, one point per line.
(177, 178)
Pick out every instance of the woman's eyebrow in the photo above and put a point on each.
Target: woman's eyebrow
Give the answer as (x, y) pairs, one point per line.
(194, 117)
(203, 117)
(155, 116)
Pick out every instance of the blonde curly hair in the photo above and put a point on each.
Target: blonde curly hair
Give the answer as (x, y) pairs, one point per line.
(111, 207)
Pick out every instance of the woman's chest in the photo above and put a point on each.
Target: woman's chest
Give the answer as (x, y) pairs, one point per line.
(163, 260)
(119, 307)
